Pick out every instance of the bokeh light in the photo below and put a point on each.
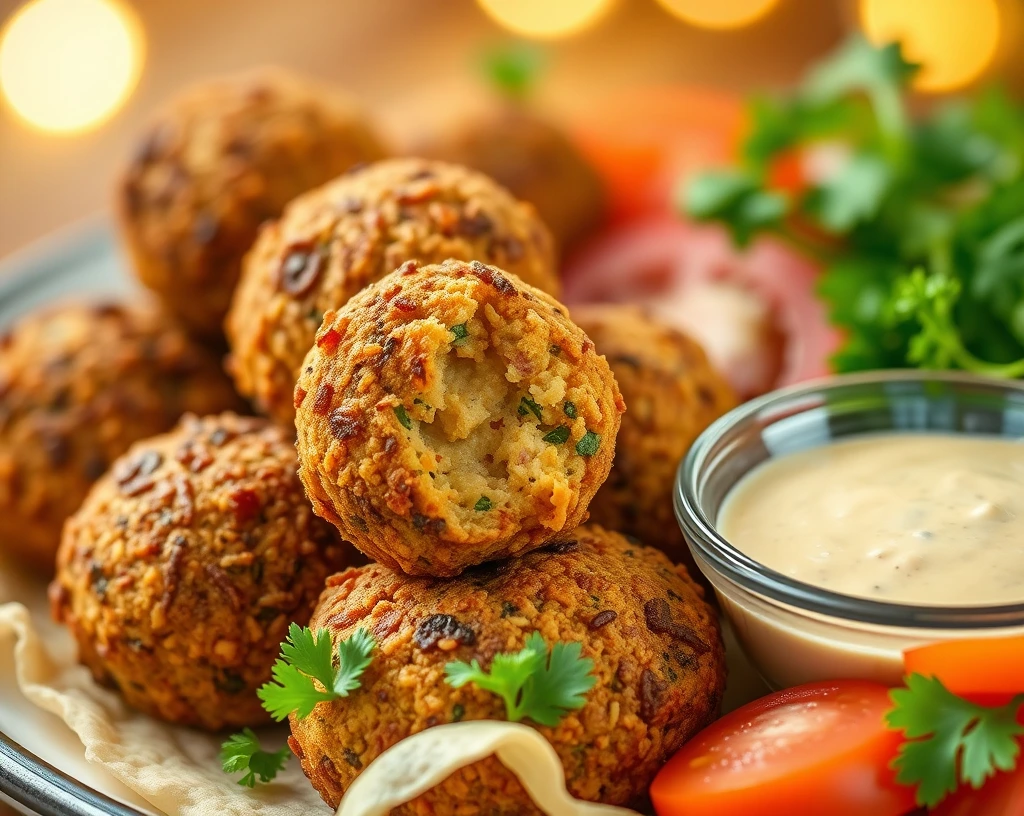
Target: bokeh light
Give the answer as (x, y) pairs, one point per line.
(719, 13)
(546, 19)
(954, 40)
(68, 65)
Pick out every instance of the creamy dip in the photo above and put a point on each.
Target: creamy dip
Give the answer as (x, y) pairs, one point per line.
(909, 518)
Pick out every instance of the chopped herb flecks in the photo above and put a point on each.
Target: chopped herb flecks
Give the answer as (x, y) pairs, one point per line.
(403, 417)
(558, 436)
(461, 333)
(570, 409)
(482, 504)
(589, 444)
(527, 405)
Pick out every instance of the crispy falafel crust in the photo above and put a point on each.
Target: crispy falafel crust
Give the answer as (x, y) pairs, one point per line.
(220, 159)
(79, 385)
(333, 241)
(450, 415)
(181, 572)
(673, 394)
(655, 643)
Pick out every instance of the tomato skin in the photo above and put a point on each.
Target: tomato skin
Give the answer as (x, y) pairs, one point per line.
(816, 750)
(1002, 795)
(989, 671)
(643, 141)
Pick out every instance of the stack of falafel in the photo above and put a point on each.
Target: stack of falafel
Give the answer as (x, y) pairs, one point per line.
(430, 404)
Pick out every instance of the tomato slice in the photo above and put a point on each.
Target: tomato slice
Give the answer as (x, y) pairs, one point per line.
(643, 141)
(1002, 795)
(816, 750)
(976, 668)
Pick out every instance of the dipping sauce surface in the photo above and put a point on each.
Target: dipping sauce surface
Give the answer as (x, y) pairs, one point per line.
(908, 518)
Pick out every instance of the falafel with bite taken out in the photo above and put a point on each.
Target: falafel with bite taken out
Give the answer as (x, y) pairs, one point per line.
(219, 160)
(337, 239)
(78, 385)
(182, 571)
(658, 660)
(673, 393)
(452, 414)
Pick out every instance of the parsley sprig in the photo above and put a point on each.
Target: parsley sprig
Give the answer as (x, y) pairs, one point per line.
(242, 752)
(950, 741)
(535, 682)
(303, 676)
(943, 193)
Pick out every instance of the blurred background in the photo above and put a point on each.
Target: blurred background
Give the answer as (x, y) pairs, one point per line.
(78, 78)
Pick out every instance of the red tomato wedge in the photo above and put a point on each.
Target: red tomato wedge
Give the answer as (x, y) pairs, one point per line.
(1002, 795)
(643, 141)
(816, 750)
(980, 667)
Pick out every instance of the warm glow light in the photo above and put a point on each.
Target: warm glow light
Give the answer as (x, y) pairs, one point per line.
(719, 13)
(67, 65)
(546, 18)
(954, 40)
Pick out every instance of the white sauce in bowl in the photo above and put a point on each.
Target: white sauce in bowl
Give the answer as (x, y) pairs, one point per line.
(926, 519)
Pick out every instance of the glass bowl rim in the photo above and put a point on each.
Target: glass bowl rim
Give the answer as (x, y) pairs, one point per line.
(711, 546)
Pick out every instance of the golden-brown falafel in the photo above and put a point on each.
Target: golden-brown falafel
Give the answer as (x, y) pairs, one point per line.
(79, 385)
(658, 660)
(333, 241)
(536, 162)
(219, 160)
(672, 394)
(181, 572)
(450, 415)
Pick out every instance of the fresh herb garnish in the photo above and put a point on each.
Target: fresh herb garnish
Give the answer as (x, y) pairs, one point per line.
(534, 683)
(588, 444)
(242, 752)
(570, 409)
(307, 657)
(527, 405)
(482, 505)
(559, 436)
(840, 170)
(403, 417)
(513, 69)
(950, 741)
(460, 332)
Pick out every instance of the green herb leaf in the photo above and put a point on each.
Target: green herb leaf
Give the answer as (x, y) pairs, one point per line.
(403, 417)
(570, 409)
(588, 444)
(460, 332)
(559, 436)
(527, 405)
(534, 683)
(951, 741)
(483, 504)
(737, 200)
(242, 752)
(513, 69)
(306, 659)
(855, 194)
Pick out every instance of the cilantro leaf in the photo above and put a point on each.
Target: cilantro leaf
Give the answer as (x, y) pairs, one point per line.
(737, 199)
(558, 436)
(460, 333)
(483, 504)
(403, 417)
(307, 659)
(529, 406)
(242, 752)
(535, 682)
(589, 444)
(855, 194)
(950, 741)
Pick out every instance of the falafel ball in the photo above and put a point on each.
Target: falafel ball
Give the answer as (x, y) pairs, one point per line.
(657, 651)
(673, 393)
(333, 241)
(450, 415)
(79, 385)
(183, 569)
(535, 160)
(219, 160)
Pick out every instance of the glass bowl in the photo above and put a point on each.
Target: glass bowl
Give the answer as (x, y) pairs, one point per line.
(794, 632)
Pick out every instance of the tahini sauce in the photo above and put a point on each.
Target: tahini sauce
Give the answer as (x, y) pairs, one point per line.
(907, 518)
